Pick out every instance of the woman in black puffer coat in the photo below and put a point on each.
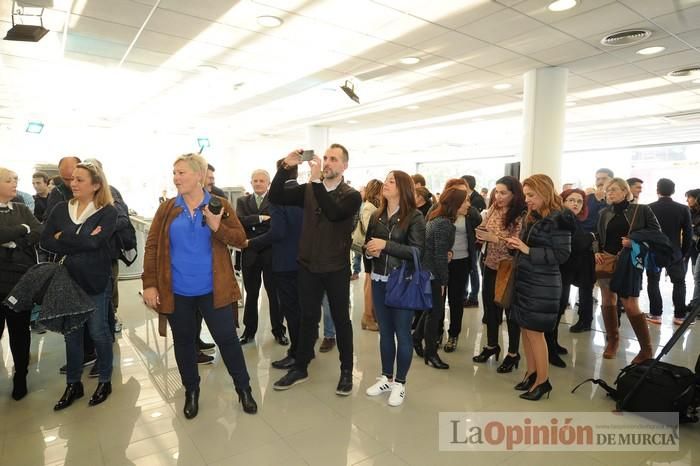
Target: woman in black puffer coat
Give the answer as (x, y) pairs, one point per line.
(544, 245)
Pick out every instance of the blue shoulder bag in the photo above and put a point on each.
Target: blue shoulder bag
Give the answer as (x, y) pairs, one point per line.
(409, 291)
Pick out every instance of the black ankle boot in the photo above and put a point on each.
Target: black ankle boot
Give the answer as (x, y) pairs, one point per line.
(527, 382)
(434, 361)
(103, 390)
(72, 393)
(191, 403)
(245, 397)
(19, 386)
(509, 362)
(538, 392)
(486, 353)
(555, 360)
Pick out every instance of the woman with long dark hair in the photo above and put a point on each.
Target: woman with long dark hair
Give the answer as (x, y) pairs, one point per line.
(543, 245)
(503, 221)
(439, 241)
(395, 231)
(692, 197)
(579, 271)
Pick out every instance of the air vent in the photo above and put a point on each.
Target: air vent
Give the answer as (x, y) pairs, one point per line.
(683, 72)
(630, 36)
(683, 117)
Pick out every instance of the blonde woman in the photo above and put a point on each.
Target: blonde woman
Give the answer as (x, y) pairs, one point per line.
(80, 230)
(187, 267)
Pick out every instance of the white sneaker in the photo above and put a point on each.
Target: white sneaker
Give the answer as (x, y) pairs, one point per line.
(398, 394)
(382, 385)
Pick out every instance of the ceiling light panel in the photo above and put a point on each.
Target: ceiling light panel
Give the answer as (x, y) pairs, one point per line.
(603, 20)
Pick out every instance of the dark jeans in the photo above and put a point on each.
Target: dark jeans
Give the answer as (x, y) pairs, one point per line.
(222, 326)
(287, 286)
(474, 278)
(395, 343)
(20, 336)
(431, 321)
(311, 288)
(494, 314)
(100, 334)
(252, 281)
(458, 277)
(676, 272)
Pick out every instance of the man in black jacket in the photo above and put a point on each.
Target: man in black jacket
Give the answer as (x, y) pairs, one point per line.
(253, 212)
(330, 206)
(674, 219)
(62, 191)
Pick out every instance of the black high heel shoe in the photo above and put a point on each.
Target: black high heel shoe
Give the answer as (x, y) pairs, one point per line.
(527, 382)
(538, 392)
(509, 362)
(486, 353)
(191, 403)
(435, 361)
(245, 397)
(103, 390)
(72, 393)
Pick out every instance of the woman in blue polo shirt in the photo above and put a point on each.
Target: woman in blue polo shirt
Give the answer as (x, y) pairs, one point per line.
(187, 267)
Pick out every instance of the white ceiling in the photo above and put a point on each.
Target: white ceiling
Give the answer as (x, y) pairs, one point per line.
(273, 83)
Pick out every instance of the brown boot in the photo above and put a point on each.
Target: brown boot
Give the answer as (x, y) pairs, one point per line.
(641, 330)
(612, 332)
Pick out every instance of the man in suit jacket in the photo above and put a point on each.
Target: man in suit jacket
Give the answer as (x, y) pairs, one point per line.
(253, 212)
(674, 219)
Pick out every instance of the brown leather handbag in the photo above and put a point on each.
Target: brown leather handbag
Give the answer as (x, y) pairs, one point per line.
(606, 269)
(505, 279)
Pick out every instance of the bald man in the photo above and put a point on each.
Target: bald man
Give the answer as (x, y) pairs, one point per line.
(62, 191)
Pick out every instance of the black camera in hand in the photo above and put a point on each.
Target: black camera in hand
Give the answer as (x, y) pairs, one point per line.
(215, 205)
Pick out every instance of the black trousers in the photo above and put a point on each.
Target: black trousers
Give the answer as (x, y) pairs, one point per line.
(432, 320)
(222, 326)
(287, 286)
(494, 314)
(252, 274)
(676, 273)
(20, 336)
(585, 301)
(459, 270)
(311, 288)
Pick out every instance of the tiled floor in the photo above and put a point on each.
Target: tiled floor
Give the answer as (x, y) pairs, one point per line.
(141, 423)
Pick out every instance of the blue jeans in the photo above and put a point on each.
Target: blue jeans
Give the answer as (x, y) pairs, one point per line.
(183, 323)
(101, 334)
(356, 261)
(394, 326)
(328, 325)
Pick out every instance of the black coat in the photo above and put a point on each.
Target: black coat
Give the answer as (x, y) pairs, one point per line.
(675, 222)
(399, 241)
(537, 290)
(579, 269)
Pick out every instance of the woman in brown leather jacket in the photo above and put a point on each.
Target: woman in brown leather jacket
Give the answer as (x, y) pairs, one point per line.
(187, 267)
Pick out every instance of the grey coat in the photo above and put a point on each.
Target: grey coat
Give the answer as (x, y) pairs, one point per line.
(65, 306)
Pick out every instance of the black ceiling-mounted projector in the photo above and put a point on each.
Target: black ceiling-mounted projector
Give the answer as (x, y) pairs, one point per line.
(28, 32)
(349, 89)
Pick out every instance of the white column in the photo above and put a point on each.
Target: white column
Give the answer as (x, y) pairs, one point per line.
(544, 117)
(317, 139)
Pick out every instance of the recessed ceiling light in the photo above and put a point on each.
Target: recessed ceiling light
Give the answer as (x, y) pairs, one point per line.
(571, 104)
(413, 107)
(409, 60)
(269, 21)
(352, 122)
(562, 5)
(502, 86)
(50, 438)
(651, 50)
(156, 414)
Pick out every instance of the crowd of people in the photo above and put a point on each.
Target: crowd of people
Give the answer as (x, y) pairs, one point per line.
(517, 249)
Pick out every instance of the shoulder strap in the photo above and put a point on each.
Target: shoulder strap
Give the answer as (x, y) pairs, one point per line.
(634, 216)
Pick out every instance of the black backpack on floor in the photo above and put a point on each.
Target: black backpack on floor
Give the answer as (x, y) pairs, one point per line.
(655, 386)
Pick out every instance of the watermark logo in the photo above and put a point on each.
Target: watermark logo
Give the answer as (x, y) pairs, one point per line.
(586, 431)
